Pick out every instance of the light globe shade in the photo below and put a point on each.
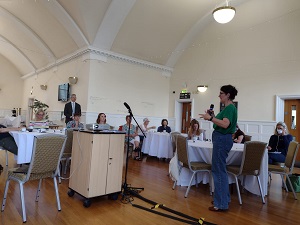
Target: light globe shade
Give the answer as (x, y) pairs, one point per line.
(43, 87)
(73, 80)
(224, 14)
(202, 88)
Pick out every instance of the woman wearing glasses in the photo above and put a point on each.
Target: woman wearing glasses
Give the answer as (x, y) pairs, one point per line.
(224, 126)
(75, 123)
(40, 114)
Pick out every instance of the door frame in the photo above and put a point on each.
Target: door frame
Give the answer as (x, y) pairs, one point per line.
(279, 113)
(178, 111)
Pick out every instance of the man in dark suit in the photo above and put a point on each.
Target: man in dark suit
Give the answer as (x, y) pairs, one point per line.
(71, 108)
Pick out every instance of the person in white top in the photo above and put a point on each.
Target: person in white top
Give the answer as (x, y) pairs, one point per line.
(144, 127)
(195, 133)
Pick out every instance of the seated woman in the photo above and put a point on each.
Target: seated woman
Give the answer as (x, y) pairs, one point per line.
(40, 114)
(279, 143)
(39, 121)
(6, 140)
(101, 119)
(164, 126)
(133, 137)
(195, 132)
(238, 136)
(144, 127)
(75, 123)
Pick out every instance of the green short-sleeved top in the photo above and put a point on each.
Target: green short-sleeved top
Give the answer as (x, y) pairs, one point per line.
(230, 112)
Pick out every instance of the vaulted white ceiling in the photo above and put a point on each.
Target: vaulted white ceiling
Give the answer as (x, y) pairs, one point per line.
(37, 34)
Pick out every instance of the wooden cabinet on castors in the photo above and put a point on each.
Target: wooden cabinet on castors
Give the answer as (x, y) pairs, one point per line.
(97, 164)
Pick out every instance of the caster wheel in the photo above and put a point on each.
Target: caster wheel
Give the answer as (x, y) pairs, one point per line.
(87, 203)
(71, 193)
(114, 196)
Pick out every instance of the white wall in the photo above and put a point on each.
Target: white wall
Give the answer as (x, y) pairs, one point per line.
(11, 86)
(103, 87)
(261, 60)
(52, 78)
(114, 82)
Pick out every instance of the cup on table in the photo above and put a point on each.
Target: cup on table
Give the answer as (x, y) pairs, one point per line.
(195, 139)
(164, 131)
(23, 129)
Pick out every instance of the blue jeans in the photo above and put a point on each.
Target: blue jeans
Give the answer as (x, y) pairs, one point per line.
(222, 144)
(276, 158)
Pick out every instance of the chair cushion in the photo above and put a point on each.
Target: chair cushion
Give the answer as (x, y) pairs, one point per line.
(200, 166)
(278, 168)
(233, 169)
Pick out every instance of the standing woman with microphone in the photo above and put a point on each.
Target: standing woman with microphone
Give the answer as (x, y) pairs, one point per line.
(224, 126)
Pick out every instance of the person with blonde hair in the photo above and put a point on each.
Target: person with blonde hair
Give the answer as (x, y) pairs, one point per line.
(39, 115)
(279, 144)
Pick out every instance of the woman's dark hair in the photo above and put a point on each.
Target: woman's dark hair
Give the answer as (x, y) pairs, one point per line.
(163, 121)
(77, 114)
(98, 118)
(229, 89)
(128, 116)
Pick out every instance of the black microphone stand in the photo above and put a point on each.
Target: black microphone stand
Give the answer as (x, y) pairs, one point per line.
(126, 188)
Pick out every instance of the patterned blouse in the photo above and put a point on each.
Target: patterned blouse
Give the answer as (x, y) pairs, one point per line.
(131, 131)
(72, 124)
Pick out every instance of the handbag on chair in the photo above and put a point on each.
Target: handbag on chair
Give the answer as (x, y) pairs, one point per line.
(295, 180)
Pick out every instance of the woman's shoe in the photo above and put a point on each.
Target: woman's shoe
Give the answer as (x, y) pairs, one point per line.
(215, 209)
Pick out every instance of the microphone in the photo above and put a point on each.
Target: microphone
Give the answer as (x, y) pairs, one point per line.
(211, 109)
(127, 106)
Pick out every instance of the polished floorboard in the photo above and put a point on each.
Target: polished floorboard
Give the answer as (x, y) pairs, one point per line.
(152, 175)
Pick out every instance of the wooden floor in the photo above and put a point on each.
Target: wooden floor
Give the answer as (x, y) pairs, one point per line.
(151, 173)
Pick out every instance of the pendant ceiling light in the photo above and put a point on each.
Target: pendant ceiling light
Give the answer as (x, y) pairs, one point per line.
(202, 88)
(224, 14)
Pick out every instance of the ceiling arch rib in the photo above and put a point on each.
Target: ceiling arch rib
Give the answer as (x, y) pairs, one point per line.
(16, 56)
(20, 25)
(193, 33)
(112, 21)
(68, 23)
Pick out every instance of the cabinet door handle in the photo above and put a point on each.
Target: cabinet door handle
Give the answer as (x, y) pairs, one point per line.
(110, 158)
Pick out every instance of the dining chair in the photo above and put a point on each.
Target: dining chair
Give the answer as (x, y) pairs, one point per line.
(45, 159)
(174, 135)
(287, 168)
(193, 166)
(67, 153)
(253, 154)
(248, 138)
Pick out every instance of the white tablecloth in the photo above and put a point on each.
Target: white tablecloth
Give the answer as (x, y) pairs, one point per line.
(24, 141)
(202, 151)
(158, 144)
